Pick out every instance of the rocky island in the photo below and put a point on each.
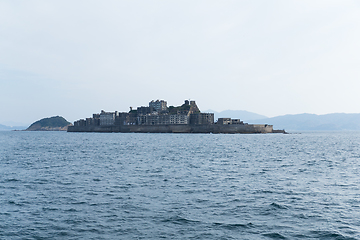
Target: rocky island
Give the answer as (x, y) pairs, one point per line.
(157, 117)
(56, 123)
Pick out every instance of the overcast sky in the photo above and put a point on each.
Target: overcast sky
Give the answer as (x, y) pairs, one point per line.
(75, 58)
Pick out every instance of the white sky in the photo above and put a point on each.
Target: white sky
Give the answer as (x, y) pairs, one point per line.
(75, 58)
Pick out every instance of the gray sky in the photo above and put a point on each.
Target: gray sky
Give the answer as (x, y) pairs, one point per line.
(74, 58)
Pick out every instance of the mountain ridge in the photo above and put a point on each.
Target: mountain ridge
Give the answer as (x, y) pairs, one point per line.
(236, 114)
(11, 128)
(314, 122)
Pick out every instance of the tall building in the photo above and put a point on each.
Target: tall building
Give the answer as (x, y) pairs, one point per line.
(107, 118)
(158, 105)
(193, 107)
(143, 110)
(201, 118)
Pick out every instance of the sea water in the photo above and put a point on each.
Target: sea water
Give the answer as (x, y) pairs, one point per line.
(58, 185)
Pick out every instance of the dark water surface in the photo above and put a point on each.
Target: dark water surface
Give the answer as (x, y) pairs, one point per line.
(57, 185)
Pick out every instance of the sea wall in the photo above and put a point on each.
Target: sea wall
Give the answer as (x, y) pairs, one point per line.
(178, 128)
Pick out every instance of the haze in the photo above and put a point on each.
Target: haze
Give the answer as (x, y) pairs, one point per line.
(75, 58)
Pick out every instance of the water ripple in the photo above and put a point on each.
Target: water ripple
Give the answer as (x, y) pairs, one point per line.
(56, 185)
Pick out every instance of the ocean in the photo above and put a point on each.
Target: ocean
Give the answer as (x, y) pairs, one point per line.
(58, 185)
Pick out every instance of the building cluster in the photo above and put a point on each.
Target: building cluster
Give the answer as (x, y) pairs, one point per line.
(157, 113)
(229, 121)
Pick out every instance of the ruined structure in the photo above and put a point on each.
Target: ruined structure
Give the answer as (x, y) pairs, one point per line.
(158, 118)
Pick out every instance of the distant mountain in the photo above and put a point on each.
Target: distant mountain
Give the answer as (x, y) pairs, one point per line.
(313, 122)
(50, 124)
(4, 128)
(8, 128)
(237, 114)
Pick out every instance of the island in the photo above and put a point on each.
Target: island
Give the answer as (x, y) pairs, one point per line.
(56, 123)
(157, 117)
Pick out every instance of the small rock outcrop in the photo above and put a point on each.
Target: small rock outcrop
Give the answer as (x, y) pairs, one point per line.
(56, 123)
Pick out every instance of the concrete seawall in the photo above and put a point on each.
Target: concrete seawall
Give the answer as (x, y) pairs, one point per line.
(177, 128)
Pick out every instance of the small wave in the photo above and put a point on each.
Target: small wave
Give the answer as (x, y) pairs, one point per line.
(124, 186)
(92, 193)
(274, 235)
(287, 165)
(37, 181)
(301, 215)
(202, 200)
(64, 183)
(180, 220)
(234, 226)
(78, 203)
(278, 206)
(29, 186)
(15, 203)
(99, 204)
(264, 191)
(49, 209)
(11, 180)
(71, 210)
(74, 221)
(63, 234)
(329, 235)
(273, 208)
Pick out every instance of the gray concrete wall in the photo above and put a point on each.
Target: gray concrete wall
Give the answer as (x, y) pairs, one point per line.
(179, 128)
